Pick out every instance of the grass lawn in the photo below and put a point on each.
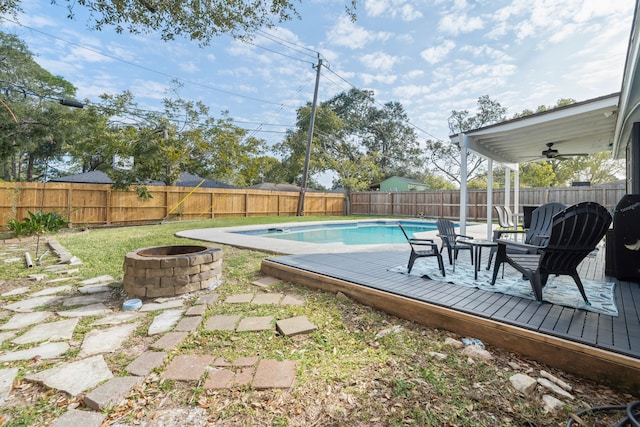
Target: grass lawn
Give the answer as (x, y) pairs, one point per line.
(361, 367)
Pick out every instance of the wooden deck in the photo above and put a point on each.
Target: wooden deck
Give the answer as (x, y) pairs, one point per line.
(591, 345)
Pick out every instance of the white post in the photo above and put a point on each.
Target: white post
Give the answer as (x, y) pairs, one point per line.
(489, 198)
(516, 193)
(463, 184)
(507, 187)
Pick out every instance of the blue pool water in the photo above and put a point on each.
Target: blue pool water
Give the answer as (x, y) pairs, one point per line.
(362, 233)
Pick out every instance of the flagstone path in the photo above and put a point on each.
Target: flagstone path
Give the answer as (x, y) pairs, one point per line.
(41, 325)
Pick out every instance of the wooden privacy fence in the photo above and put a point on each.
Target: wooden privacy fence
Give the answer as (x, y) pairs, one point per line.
(446, 204)
(100, 204)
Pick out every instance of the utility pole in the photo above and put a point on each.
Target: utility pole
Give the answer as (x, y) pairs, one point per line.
(305, 172)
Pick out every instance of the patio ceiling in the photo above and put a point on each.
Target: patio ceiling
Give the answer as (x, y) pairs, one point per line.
(584, 127)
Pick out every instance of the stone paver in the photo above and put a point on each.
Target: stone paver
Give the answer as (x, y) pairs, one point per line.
(265, 282)
(222, 322)
(169, 341)
(106, 340)
(53, 291)
(111, 393)
(17, 291)
(100, 280)
(264, 298)
(188, 324)
(239, 299)
(98, 309)
(164, 321)
(208, 299)
(6, 382)
(295, 326)
(274, 374)
(292, 300)
(6, 335)
(53, 331)
(146, 362)
(187, 367)
(117, 318)
(23, 320)
(255, 323)
(219, 378)
(44, 351)
(155, 306)
(94, 289)
(66, 377)
(87, 299)
(76, 418)
(30, 304)
(196, 310)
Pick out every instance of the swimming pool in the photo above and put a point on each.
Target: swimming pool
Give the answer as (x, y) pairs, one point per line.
(248, 236)
(360, 233)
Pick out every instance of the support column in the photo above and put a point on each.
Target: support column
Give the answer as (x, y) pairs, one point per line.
(489, 198)
(463, 184)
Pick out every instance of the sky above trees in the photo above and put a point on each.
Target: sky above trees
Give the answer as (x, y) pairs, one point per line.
(432, 56)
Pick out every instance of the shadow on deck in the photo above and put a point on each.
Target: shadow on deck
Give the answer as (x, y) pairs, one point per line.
(595, 346)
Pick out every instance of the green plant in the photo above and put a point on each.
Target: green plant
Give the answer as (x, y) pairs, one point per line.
(37, 222)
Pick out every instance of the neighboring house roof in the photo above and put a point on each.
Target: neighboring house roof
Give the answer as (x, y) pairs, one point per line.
(271, 186)
(99, 177)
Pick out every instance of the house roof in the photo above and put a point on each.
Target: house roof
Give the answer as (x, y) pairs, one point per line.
(583, 127)
(99, 177)
(271, 186)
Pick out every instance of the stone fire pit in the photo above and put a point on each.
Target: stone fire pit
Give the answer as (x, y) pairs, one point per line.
(171, 270)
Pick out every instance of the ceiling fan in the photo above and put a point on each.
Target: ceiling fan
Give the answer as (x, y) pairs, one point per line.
(553, 154)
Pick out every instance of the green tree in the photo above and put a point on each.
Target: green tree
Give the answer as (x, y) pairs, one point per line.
(198, 21)
(445, 157)
(31, 119)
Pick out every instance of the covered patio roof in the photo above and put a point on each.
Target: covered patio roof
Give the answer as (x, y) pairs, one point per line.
(583, 127)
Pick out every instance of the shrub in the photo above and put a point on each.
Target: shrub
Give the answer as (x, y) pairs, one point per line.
(38, 222)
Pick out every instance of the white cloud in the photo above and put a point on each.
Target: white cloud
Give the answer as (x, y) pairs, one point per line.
(379, 61)
(455, 24)
(347, 34)
(435, 54)
(368, 79)
(189, 67)
(392, 8)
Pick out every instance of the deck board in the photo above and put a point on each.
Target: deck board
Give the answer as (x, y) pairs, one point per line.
(617, 335)
(620, 334)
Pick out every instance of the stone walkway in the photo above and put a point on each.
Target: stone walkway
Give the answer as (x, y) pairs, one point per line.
(41, 324)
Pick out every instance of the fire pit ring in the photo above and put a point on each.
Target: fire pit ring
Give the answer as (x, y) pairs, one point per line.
(164, 271)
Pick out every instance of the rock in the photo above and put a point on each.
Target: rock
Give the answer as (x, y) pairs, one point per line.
(476, 352)
(392, 330)
(523, 383)
(437, 355)
(454, 343)
(554, 388)
(342, 297)
(515, 366)
(555, 380)
(551, 404)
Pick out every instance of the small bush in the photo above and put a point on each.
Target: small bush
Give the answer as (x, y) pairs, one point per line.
(38, 222)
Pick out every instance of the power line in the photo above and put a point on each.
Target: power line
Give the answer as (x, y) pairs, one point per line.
(142, 67)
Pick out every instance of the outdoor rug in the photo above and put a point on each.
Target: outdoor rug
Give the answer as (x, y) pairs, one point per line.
(560, 290)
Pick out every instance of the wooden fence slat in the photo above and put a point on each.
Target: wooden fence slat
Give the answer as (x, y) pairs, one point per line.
(446, 204)
(100, 204)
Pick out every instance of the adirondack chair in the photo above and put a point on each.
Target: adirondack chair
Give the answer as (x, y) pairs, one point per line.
(421, 248)
(536, 236)
(450, 239)
(575, 232)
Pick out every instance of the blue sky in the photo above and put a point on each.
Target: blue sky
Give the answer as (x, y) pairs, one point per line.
(433, 56)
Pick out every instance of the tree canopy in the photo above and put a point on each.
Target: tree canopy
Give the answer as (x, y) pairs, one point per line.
(197, 21)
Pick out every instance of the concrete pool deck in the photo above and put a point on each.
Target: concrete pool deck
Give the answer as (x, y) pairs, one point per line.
(230, 236)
